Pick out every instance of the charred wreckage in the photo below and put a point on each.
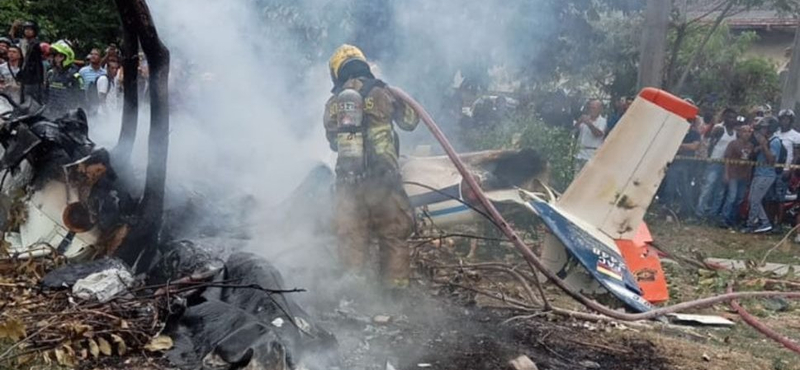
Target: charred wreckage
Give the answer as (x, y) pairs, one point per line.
(63, 203)
(62, 200)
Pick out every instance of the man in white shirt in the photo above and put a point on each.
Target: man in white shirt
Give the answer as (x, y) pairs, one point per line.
(789, 138)
(107, 88)
(788, 135)
(712, 191)
(591, 132)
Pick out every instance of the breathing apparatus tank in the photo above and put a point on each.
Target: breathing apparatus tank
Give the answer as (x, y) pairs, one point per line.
(351, 162)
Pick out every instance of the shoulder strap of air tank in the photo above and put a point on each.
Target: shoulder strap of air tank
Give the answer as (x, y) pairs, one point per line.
(368, 85)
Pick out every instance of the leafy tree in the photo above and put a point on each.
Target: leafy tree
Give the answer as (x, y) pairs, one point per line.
(724, 75)
(87, 23)
(721, 11)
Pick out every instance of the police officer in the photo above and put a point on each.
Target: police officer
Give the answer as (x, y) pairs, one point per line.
(63, 84)
(370, 200)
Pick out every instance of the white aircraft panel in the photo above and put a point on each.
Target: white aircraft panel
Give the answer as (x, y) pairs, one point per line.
(615, 188)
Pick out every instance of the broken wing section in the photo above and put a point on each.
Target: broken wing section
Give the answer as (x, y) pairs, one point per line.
(442, 199)
(614, 189)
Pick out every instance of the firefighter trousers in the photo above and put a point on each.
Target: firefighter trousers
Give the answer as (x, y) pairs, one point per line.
(379, 209)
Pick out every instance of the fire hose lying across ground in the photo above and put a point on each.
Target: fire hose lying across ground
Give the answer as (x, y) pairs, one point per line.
(537, 264)
(771, 334)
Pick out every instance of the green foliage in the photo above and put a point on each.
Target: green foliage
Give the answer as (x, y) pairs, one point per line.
(614, 56)
(724, 75)
(754, 81)
(526, 130)
(87, 23)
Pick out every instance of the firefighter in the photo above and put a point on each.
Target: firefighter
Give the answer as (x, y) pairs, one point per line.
(63, 84)
(370, 200)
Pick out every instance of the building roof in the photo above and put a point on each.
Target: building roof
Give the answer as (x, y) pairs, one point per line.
(758, 17)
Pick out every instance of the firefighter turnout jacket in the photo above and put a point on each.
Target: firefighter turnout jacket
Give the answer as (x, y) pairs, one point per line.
(379, 140)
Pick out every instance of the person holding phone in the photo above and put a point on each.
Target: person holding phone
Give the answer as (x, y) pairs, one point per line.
(591, 128)
(712, 192)
(768, 150)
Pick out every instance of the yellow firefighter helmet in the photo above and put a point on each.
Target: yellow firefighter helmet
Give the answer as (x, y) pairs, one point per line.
(342, 55)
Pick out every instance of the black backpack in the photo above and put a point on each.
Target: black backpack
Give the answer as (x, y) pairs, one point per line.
(781, 157)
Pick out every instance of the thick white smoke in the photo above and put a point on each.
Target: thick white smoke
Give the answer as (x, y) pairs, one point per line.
(249, 81)
(249, 88)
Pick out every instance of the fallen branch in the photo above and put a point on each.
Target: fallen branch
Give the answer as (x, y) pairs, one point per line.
(499, 267)
(496, 296)
(197, 285)
(783, 240)
(513, 303)
(793, 284)
(534, 260)
(520, 279)
(763, 329)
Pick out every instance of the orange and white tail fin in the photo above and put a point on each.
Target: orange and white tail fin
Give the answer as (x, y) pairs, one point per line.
(614, 189)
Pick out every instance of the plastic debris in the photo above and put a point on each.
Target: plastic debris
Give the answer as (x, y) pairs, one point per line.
(67, 276)
(522, 363)
(102, 286)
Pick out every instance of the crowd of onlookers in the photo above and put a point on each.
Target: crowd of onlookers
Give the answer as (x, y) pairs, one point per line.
(52, 74)
(732, 169)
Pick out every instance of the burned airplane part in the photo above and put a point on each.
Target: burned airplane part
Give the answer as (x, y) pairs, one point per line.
(65, 191)
(247, 320)
(442, 199)
(62, 197)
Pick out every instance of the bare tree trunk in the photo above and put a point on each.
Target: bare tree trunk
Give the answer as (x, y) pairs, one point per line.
(791, 83)
(130, 70)
(672, 64)
(139, 247)
(681, 8)
(654, 41)
(699, 51)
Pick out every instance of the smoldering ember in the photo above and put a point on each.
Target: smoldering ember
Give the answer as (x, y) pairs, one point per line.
(519, 184)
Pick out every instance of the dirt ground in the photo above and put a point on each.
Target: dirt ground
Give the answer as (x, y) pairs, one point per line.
(434, 326)
(449, 328)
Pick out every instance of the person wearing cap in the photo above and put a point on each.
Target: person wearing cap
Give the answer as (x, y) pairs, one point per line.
(787, 133)
(790, 138)
(767, 149)
(30, 33)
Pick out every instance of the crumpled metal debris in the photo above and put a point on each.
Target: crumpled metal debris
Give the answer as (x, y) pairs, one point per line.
(71, 202)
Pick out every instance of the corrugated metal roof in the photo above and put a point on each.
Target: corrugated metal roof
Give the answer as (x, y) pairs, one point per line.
(755, 18)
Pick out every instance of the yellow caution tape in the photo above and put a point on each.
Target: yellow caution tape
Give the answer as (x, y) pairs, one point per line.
(739, 162)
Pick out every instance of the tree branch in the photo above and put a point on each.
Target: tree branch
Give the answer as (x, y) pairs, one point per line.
(130, 72)
(699, 50)
(138, 248)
